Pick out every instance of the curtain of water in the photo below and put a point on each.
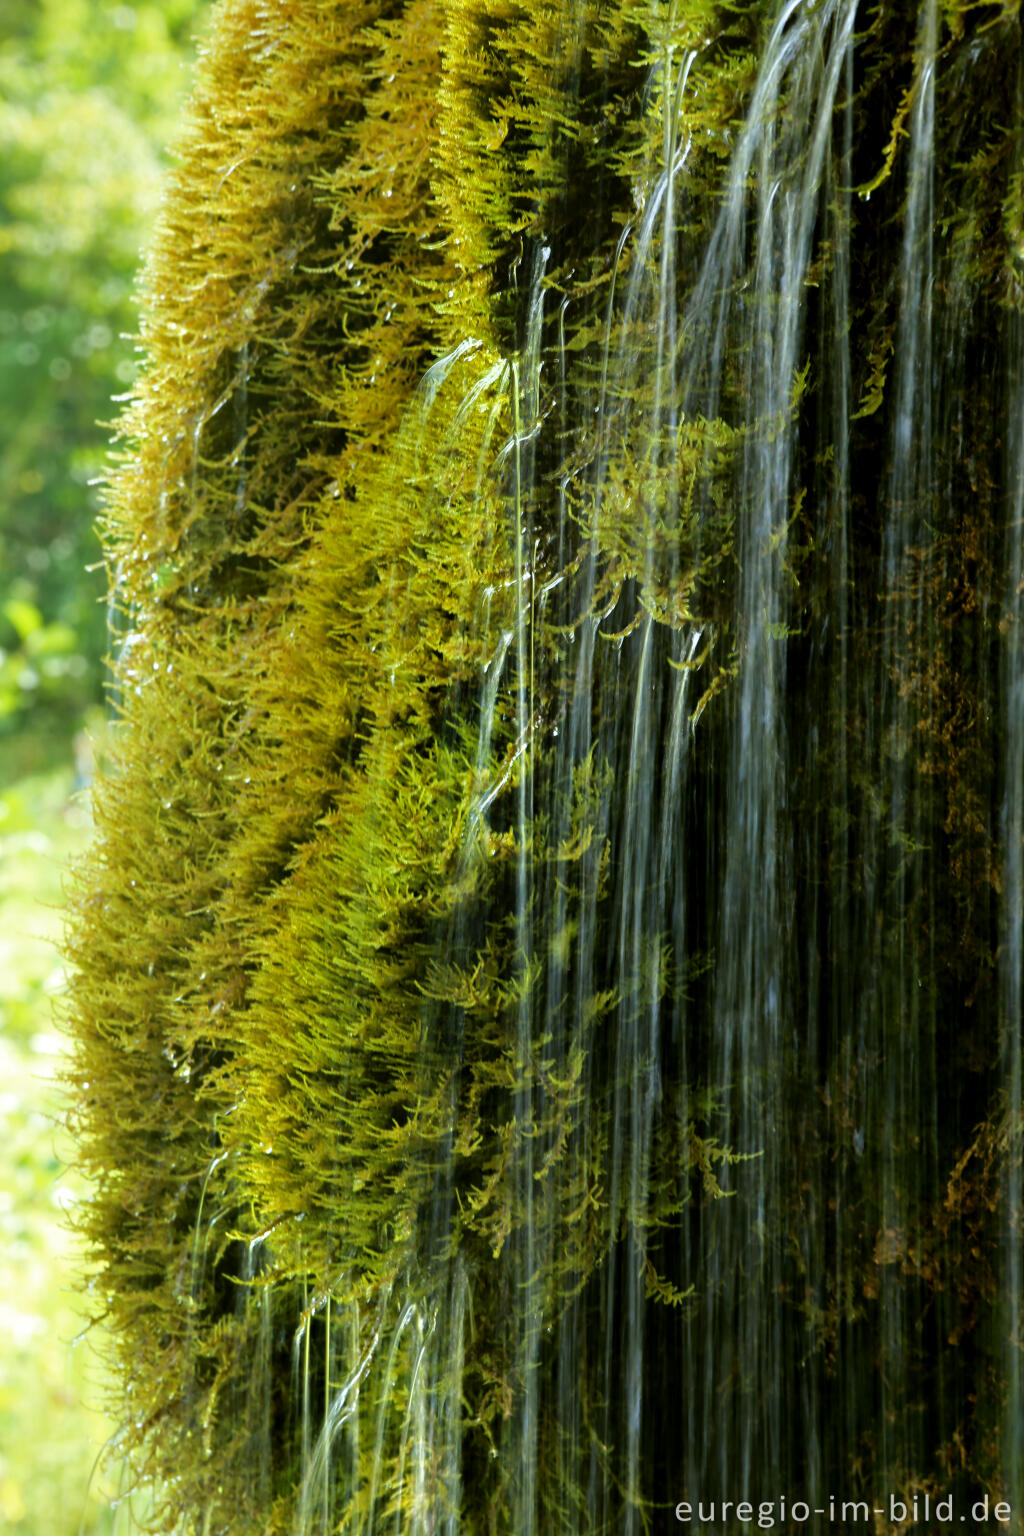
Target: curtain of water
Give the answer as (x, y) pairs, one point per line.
(587, 1375)
(749, 1350)
(735, 1349)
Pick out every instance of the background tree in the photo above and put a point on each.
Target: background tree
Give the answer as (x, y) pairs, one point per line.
(90, 95)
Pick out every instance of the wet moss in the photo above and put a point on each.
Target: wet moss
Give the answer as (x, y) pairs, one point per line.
(452, 1087)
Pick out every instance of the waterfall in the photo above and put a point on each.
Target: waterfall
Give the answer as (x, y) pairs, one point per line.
(549, 985)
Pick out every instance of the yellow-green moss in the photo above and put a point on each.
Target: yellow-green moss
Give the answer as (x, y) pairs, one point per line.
(336, 1080)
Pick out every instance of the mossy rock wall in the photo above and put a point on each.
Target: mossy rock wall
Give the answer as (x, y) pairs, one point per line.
(548, 992)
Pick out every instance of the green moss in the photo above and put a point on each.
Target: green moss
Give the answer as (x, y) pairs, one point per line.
(416, 504)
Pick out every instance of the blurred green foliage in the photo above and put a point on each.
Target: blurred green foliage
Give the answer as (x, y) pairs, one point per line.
(89, 96)
(51, 1394)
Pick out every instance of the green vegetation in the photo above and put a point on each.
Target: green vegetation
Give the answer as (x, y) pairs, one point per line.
(286, 964)
(439, 543)
(50, 1394)
(89, 94)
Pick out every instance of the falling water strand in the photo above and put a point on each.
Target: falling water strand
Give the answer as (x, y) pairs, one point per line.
(899, 1030)
(743, 1427)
